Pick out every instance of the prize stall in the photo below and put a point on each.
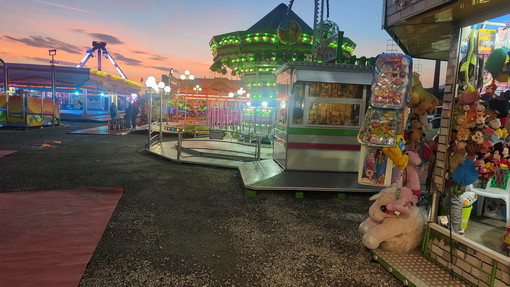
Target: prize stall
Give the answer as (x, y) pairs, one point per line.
(319, 113)
(469, 175)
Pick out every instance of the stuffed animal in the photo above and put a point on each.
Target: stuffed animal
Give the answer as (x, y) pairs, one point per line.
(395, 153)
(457, 159)
(421, 100)
(415, 133)
(425, 125)
(467, 198)
(469, 98)
(409, 176)
(490, 93)
(501, 106)
(398, 233)
(497, 64)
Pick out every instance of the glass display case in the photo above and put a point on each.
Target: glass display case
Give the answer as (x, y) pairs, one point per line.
(320, 108)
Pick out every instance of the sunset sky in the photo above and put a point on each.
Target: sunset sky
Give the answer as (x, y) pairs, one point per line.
(150, 37)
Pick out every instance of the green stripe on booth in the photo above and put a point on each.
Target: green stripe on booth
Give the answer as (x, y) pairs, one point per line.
(336, 132)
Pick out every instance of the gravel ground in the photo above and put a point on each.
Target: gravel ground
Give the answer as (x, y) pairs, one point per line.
(188, 225)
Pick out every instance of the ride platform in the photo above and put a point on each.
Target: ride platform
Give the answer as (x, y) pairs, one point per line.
(262, 175)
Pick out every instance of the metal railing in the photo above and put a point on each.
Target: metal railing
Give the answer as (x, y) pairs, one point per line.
(219, 147)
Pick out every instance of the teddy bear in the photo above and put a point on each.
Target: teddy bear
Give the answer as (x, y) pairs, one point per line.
(420, 100)
(415, 133)
(394, 231)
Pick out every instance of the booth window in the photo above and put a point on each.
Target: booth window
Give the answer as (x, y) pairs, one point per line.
(333, 114)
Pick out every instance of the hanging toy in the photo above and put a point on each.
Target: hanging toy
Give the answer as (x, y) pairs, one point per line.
(497, 64)
(395, 153)
(468, 64)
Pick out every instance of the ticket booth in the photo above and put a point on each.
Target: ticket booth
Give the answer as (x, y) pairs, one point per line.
(320, 108)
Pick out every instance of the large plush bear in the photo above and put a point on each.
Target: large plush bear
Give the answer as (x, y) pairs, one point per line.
(420, 100)
(395, 223)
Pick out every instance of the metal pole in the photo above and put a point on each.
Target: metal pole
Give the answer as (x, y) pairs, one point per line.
(150, 120)
(185, 104)
(53, 96)
(257, 153)
(178, 116)
(6, 87)
(161, 117)
(179, 145)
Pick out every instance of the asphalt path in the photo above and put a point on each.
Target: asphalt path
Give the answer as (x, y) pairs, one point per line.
(190, 225)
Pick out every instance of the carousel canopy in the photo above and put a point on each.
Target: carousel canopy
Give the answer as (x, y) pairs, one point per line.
(275, 17)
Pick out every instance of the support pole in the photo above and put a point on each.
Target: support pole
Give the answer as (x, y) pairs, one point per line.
(161, 117)
(6, 86)
(150, 120)
(179, 145)
(53, 95)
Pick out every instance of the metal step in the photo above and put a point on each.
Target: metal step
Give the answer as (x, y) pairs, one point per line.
(414, 269)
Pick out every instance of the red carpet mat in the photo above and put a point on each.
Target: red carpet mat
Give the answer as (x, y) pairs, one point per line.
(48, 237)
(4, 152)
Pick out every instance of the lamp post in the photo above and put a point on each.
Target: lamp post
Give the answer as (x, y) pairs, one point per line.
(6, 86)
(52, 53)
(164, 89)
(150, 84)
(197, 89)
(187, 77)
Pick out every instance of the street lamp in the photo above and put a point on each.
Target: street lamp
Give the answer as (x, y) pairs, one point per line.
(164, 89)
(197, 89)
(52, 53)
(6, 85)
(187, 77)
(150, 84)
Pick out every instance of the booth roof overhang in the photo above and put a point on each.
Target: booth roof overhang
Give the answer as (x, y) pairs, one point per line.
(424, 28)
(39, 77)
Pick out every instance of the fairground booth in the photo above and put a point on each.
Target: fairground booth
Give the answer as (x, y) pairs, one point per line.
(469, 222)
(27, 97)
(320, 107)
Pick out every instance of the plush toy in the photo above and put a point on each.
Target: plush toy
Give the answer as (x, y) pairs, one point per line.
(467, 198)
(409, 176)
(489, 93)
(415, 133)
(501, 106)
(425, 125)
(497, 64)
(395, 153)
(411, 173)
(468, 98)
(420, 100)
(458, 156)
(465, 173)
(398, 233)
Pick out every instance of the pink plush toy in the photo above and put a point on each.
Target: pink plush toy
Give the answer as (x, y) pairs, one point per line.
(405, 201)
(392, 232)
(409, 176)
